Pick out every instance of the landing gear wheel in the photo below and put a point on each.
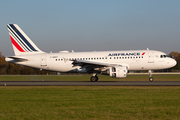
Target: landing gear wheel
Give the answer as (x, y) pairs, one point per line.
(94, 79)
(151, 79)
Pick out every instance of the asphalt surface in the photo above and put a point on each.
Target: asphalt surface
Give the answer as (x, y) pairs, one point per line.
(88, 83)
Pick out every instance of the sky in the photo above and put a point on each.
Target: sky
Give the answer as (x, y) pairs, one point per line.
(93, 25)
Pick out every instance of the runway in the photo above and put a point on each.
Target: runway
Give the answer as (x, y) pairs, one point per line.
(88, 83)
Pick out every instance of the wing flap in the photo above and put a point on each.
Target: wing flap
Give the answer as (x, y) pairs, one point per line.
(93, 64)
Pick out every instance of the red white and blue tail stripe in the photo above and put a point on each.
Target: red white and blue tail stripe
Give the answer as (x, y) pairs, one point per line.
(20, 41)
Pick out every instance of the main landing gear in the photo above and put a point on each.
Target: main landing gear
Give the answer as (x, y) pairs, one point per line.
(150, 76)
(94, 78)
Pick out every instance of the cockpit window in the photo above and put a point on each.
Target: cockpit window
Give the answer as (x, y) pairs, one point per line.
(164, 56)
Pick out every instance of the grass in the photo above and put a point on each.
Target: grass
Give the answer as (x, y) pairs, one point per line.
(86, 78)
(89, 102)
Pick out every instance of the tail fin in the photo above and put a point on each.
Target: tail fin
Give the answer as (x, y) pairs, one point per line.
(21, 43)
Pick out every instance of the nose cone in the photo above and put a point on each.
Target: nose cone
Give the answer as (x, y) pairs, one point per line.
(173, 62)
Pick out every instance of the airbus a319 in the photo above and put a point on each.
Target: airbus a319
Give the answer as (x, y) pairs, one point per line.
(116, 64)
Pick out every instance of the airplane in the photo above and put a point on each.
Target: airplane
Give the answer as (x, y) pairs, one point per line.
(116, 64)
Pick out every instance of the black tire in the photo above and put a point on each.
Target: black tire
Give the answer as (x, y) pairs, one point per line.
(151, 79)
(94, 79)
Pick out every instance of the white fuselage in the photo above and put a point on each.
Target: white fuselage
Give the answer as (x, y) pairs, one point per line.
(114, 63)
(134, 60)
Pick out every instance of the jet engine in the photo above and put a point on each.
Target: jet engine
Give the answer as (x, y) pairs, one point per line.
(118, 72)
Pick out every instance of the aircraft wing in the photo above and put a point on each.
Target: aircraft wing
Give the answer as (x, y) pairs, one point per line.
(90, 63)
(93, 66)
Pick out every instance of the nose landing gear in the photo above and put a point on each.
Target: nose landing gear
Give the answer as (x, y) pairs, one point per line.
(150, 76)
(151, 79)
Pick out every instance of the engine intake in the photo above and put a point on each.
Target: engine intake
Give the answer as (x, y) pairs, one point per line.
(118, 72)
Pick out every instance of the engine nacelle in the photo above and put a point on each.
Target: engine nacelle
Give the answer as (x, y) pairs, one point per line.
(118, 72)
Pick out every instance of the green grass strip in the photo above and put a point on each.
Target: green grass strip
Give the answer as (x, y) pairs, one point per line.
(87, 102)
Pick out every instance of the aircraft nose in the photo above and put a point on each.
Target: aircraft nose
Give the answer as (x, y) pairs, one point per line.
(173, 62)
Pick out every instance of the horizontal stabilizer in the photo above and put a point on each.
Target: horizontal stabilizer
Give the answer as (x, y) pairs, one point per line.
(15, 59)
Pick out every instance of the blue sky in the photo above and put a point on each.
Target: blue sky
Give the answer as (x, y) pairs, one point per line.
(93, 25)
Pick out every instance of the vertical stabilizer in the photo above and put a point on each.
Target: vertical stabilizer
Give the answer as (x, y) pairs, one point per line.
(21, 43)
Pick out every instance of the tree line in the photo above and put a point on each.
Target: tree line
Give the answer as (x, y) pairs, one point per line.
(13, 69)
(176, 56)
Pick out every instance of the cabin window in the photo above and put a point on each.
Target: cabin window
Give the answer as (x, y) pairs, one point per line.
(164, 56)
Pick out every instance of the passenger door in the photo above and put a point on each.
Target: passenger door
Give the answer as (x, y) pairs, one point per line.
(151, 57)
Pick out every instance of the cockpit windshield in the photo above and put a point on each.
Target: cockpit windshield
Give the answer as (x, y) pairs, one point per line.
(164, 56)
